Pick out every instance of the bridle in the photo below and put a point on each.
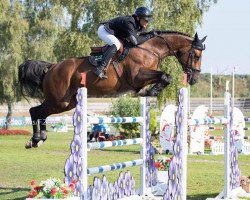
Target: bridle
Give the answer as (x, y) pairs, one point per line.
(187, 66)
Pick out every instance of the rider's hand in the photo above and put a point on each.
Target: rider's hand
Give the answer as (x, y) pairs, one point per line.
(154, 33)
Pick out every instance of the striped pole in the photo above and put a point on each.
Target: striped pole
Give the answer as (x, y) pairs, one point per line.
(206, 121)
(112, 167)
(247, 119)
(100, 145)
(222, 128)
(117, 120)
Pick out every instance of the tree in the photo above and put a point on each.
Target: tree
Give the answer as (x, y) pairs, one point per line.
(45, 22)
(84, 17)
(183, 16)
(72, 40)
(12, 43)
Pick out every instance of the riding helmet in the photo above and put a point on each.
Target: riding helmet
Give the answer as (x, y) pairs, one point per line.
(144, 13)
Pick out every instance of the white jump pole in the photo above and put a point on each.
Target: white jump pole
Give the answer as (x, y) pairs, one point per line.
(227, 145)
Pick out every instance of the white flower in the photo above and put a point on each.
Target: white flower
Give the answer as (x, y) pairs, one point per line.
(48, 184)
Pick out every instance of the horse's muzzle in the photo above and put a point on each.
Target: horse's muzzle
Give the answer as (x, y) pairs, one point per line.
(193, 77)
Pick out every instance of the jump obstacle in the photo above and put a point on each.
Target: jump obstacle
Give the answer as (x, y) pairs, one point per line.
(76, 164)
(178, 167)
(197, 131)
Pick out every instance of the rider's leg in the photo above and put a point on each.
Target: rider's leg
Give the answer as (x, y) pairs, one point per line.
(102, 67)
(114, 46)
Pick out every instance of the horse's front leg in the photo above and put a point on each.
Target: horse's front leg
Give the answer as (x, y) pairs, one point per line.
(146, 77)
(164, 81)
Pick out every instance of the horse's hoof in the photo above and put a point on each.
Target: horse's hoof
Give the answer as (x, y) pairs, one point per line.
(143, 93)
(30, 144)
(33, 142)
(153, 93)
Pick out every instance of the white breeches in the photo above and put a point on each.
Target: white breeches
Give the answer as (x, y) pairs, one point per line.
(108, 38)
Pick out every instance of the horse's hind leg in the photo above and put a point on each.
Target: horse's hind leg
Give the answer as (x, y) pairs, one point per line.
(34, 141)
(41, 113)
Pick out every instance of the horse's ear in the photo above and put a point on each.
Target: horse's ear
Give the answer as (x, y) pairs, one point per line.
(196, 38)
(203, 39)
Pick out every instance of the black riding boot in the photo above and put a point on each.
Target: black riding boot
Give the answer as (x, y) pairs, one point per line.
(101, 68)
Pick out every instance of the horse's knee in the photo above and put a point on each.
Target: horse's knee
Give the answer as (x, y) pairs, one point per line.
(166, 79)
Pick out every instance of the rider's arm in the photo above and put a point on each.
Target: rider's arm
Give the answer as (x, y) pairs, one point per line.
(134, 38)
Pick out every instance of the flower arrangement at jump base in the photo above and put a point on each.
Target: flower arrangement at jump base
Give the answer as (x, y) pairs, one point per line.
(51, 189)
(162, 163)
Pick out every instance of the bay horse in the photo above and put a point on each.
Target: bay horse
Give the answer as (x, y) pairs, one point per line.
(57, 84)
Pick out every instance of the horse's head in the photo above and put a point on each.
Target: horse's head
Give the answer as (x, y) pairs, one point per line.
(190, 59)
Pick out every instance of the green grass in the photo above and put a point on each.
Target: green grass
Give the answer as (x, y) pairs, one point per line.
(19, 166)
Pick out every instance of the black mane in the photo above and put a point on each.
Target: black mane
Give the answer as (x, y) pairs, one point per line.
(173, 32)
(167, 32)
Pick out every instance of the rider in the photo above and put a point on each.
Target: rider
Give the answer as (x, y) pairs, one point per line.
(123, 28)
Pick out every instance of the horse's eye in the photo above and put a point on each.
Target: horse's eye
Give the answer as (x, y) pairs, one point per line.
(196, 58)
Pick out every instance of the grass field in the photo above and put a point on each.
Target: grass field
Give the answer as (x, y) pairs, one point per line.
(19, 166)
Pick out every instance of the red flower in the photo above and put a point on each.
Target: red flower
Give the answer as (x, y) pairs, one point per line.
(53, 191)
(14, 132)
(74, 181)
(65, 191)
(34, 192)
(32, 183)
(37, 188)
(158, 165)
(72, 186)
(30, 196)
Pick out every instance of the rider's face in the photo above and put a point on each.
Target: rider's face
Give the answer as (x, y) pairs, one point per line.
(143, 22)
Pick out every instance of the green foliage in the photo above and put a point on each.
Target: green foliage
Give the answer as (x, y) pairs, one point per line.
(44, 21)
(72, 44)
(153, 121)
(126, 106)
(12, 42)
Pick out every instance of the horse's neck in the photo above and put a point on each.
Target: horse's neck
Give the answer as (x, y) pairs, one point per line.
(169, 43)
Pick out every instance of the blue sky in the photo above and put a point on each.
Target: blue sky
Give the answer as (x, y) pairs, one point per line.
(227, 26)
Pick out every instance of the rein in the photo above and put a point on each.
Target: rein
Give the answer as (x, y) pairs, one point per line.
(187, 66)
(153, 53)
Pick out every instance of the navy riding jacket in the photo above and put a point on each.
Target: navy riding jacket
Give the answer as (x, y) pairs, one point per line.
(127, 28)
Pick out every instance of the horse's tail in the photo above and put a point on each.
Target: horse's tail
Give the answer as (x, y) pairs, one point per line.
(30, 75)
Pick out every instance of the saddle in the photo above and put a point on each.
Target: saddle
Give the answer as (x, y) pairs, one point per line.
(97, 54)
